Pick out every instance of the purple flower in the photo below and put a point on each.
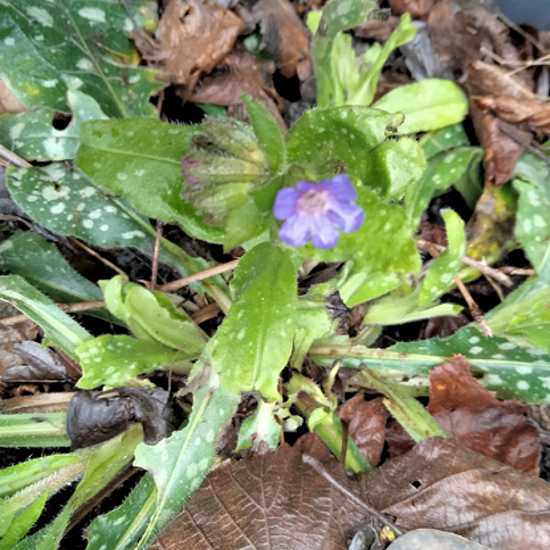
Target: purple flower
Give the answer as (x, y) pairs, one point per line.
(314, 211)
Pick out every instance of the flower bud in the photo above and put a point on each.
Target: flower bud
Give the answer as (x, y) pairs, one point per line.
(206, 168)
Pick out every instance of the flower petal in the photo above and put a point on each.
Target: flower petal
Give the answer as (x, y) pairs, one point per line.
(340, 187)
(323, 233)
(286, 203)
(305, 186)
(347, 217)
(296, 230)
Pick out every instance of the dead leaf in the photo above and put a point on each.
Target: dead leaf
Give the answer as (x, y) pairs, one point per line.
(95, 417)
(468, 412)
(366, 425)
(377, 29)
(443, 327)
(284, 36)
(430, 539)
(529, 111)
(500, 152)
(272, 500)
(194, 37)
(441, 485)
(241, 75)
(419, 9)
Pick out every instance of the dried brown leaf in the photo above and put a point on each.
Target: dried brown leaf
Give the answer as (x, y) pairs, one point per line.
(366, 422)
(242, 75)
(529, 111)
(441, 485)
(419, 9)
(194, 36)
(8, 102)
(468, 412)
(284, 36)
(430, 539)
(377, 29)
(272, 500)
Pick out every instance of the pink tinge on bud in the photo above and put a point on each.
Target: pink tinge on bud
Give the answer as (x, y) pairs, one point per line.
(187, 163)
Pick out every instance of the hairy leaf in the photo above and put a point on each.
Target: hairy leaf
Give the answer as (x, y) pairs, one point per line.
(57, 325)
(254, 342)
(141, 160)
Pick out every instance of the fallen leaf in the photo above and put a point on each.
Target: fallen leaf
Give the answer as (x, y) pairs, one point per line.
(468, 412)
(242, 75)
(430, 539)
(441, 485)
(194, 37)
(533, 112)
(419, 9)
(366, 425)
(284, 36)
(377, 29)
(500, 152)
(271, 500)
(95, 417)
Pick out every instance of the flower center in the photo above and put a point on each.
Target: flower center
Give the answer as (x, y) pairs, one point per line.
(313, 202)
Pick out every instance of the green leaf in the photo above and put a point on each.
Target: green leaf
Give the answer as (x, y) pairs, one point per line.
(401, 35)
(40, 263)
(254, 342)
(414, 418)
(396, 165)
(443, 140)
(105, 463)
(358, 287)
(260, 427)
(344, 134)
(33, 430)
(115, 359)
(503, 366)
(443, 170)
(122, 528)
(57, 325)
(19, 476)
(65, 202)
(50, 48)
(180, 462)
(440, 277)
(430, 104)
(267, 131)
(22, 524)
(31, 134)
(141, 160)
(532, 227)
(382, 245)
(337, 16)
(244, 223)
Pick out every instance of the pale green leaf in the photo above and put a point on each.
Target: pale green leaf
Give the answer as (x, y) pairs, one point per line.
(57, 325)
(532, 229)
(49, 48)
(396, 165)
(22, 524)
(401, 35)
(115, 359)
(254, 342)
(337, 16)
(31, 134)
(33, 430)
(440, 277)
(443, 170)
(267, 131)
(140, 160)
(346, 134)
(430, 104)
(260, 427)
(382, 245)
(180, 462)
(122, 528)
